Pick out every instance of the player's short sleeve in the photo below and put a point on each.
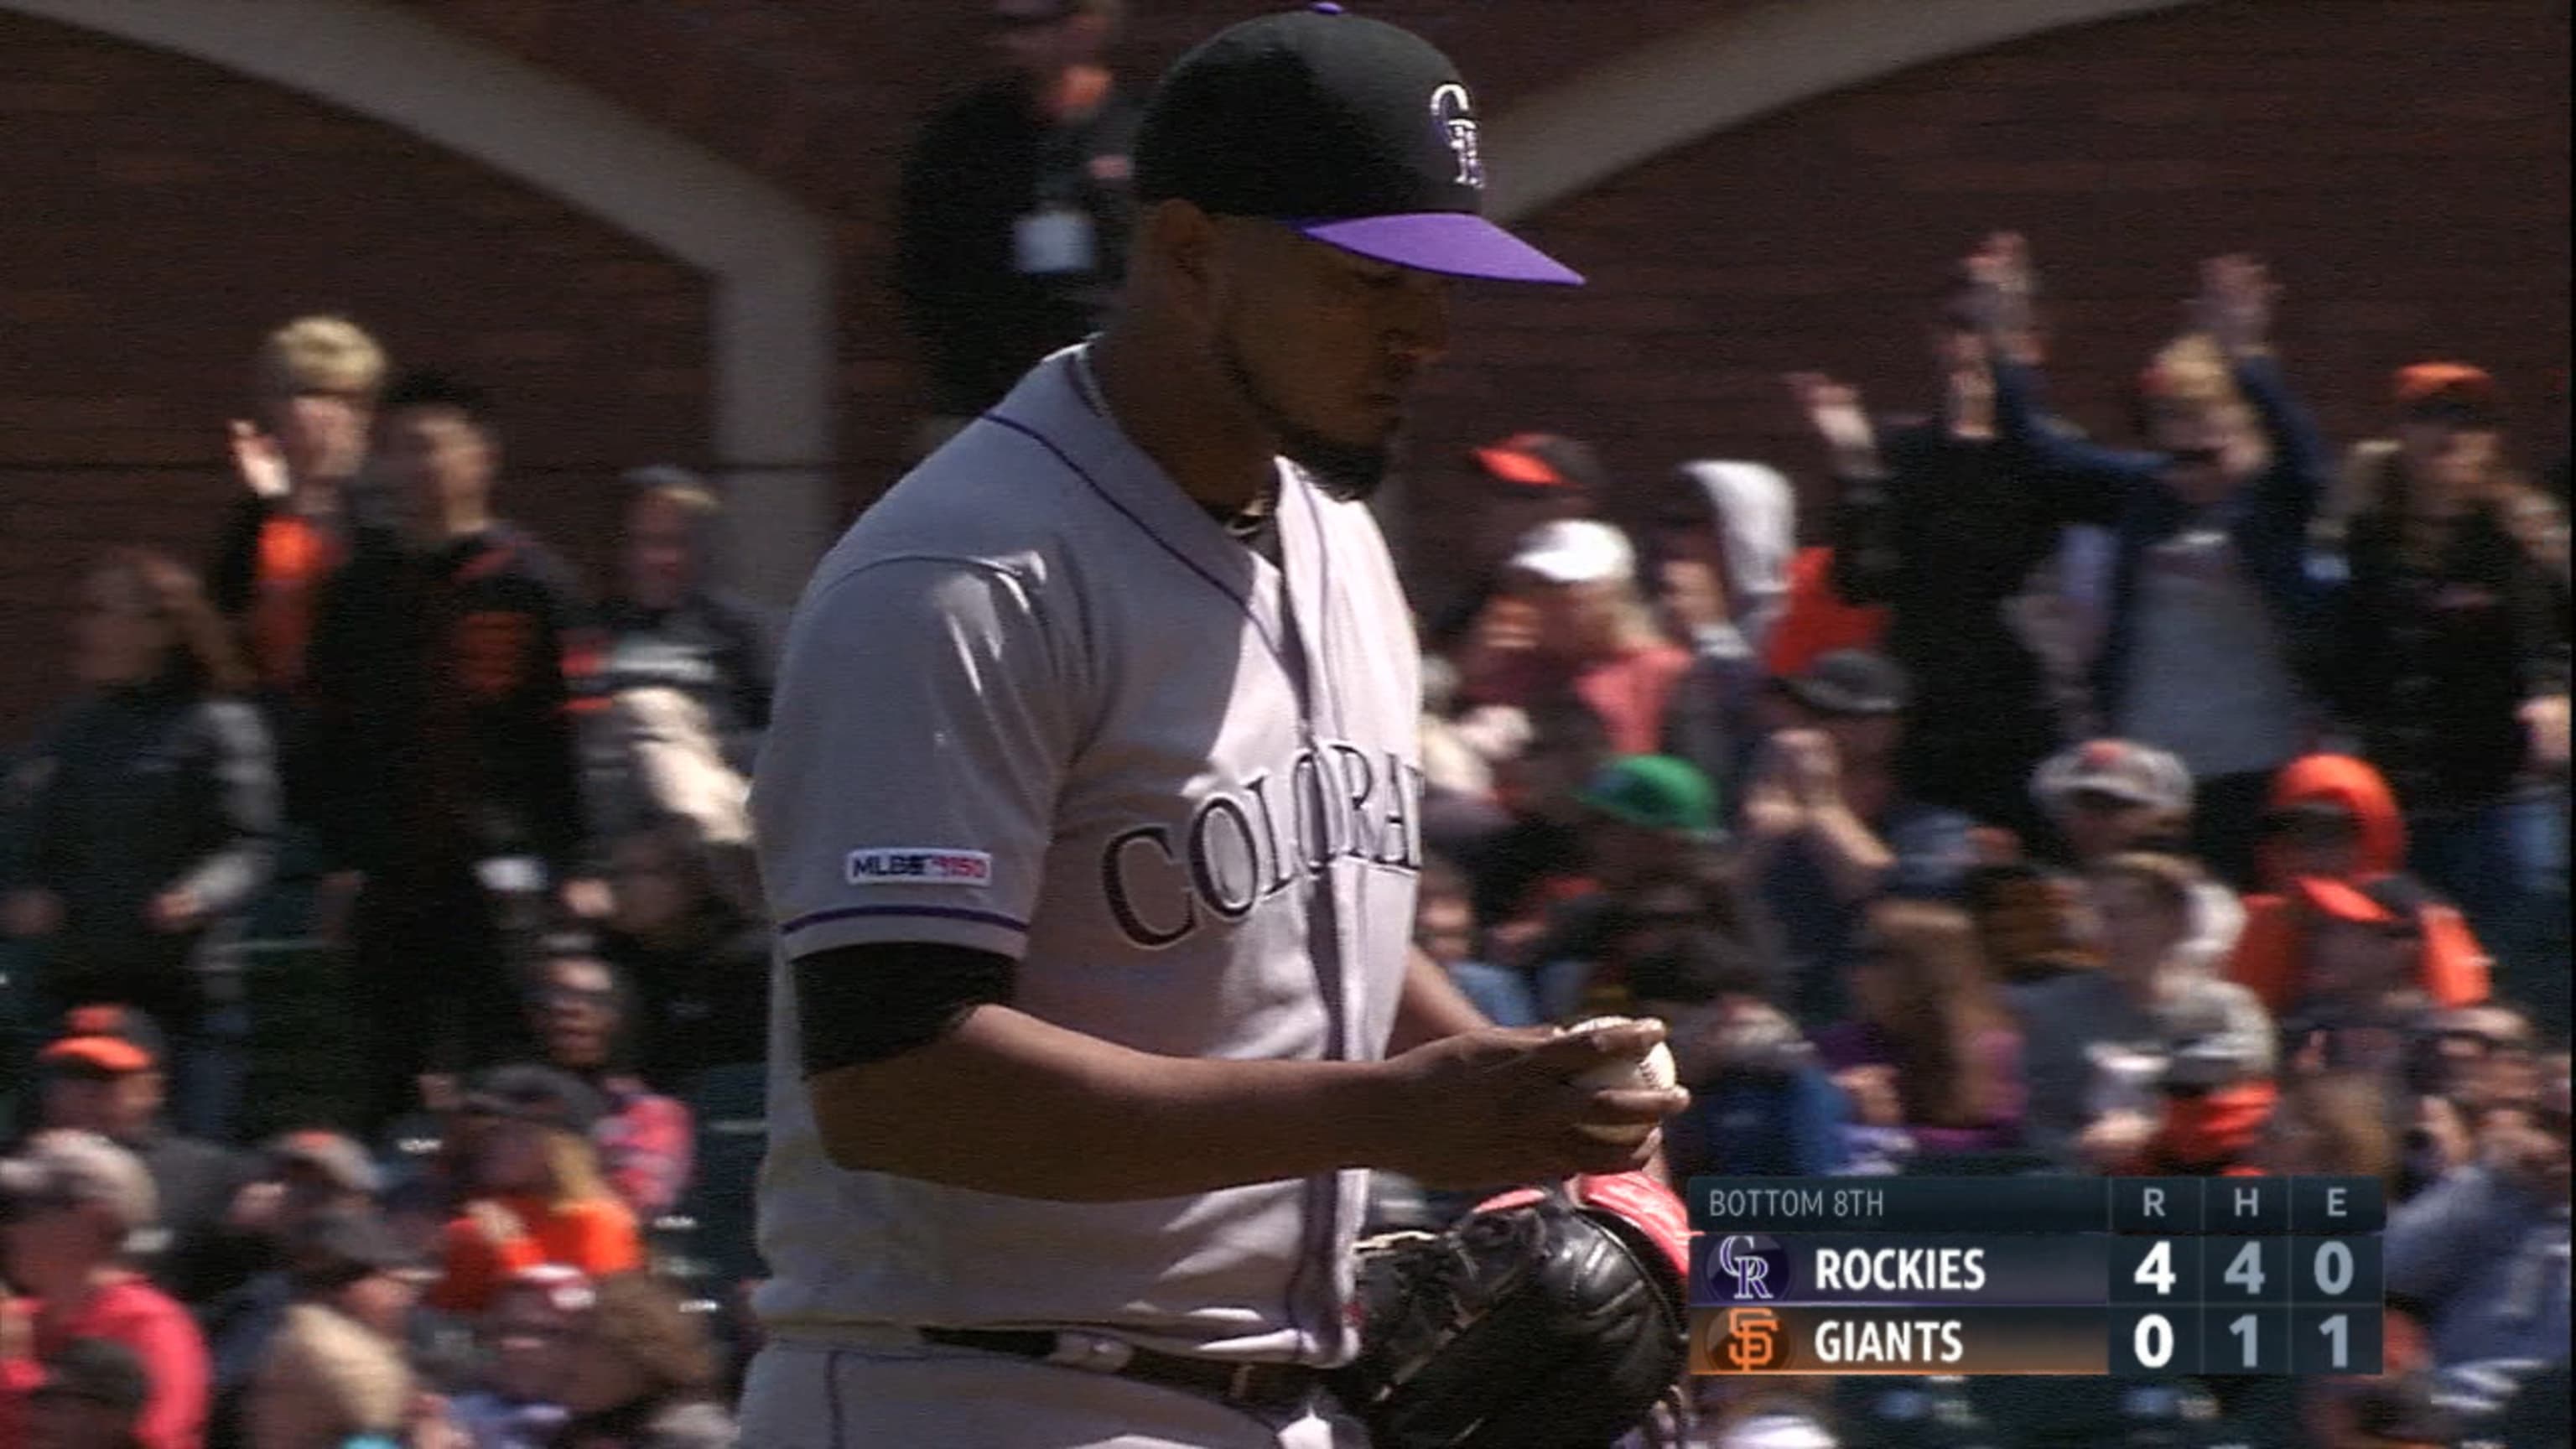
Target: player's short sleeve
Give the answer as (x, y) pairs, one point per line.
(906, 791)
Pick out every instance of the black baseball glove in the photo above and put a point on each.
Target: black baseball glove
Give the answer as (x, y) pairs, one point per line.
(1541, 1326)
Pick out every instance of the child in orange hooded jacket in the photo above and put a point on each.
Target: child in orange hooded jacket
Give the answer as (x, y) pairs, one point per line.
(2334, 821)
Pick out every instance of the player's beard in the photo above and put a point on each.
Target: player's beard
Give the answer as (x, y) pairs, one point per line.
(1351, 472)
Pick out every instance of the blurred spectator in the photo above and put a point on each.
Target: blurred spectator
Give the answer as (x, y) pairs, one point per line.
(73, 1200)
(642, 1374)
(315, 385)
(1827, 830)
(1650, 831)
(685, 676)
(1814, 619)
(445, 773)
(2121, 1058)
(644, 1139)
(2392, 1411)
(1524, 482)
(1444, 926)
(2330, 1123)
(699, 962)
(1719, 544)
(526, 1334)
(1929, 1050)
(1016, 206)
(2483, 1254)
(1458, 753)
(106, 1074)
(2100, 799)
(1569, 620)
(1761, 1104)
(336, 1370)
(2451, 658)
(92, 1397)
(1537, 843)
(1942, 521)
(2333, 819)
(535, 1193)
(669, 625)
(310, 1174)
(2361, 964)
(2211, 599)
(152, 807)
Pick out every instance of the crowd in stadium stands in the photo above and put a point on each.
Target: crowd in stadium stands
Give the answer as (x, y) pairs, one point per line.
(394, 970)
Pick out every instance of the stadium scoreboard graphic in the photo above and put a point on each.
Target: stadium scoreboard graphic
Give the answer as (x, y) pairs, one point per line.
(2150, 1276)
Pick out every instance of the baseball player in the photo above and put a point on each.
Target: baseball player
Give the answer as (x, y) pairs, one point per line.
(1090, 819)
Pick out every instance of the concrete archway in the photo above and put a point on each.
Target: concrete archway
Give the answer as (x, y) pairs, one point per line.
(769, 260)
(1753, 60)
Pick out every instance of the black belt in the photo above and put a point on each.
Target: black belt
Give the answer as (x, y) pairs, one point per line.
(1268, 1386)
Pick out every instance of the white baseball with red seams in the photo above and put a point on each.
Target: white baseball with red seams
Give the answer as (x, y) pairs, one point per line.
(1653, 1072)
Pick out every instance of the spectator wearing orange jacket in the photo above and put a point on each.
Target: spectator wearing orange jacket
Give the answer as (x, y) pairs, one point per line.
(2333, 819)
(538, 1196)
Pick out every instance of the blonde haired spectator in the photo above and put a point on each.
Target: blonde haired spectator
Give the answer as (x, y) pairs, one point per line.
(1572, 619)
(336, 1369)
(315, 383)
(321, 353)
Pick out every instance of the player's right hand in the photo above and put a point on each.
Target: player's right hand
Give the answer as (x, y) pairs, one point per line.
(1499, 1106)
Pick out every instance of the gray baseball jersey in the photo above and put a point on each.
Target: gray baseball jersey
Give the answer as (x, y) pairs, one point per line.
(1039, 702)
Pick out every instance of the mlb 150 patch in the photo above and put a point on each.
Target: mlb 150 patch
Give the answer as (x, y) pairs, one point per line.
(917, 865)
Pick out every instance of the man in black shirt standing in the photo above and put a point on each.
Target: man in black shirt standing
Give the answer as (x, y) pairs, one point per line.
(1016, 208)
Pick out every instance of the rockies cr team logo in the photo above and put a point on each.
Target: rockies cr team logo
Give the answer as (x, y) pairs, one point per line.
(1450, 107)
(1745, 1268)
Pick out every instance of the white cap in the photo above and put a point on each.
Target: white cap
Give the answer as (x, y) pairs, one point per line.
(1576, 551)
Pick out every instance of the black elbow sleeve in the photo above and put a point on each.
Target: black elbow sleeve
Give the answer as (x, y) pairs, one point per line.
(862, 1004)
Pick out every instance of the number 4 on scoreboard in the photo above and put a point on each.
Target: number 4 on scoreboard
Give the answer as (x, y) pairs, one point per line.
(2155, 1270)
(2247, 1270)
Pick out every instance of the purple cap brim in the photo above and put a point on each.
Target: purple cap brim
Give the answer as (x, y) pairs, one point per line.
(1452, 243)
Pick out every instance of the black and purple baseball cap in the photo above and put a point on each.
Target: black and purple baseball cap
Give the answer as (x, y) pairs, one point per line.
(1353, 131)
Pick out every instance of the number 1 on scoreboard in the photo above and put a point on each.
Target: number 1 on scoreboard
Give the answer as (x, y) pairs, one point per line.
(2255, 1341)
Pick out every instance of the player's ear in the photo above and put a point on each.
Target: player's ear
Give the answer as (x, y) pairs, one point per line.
(1184, 244)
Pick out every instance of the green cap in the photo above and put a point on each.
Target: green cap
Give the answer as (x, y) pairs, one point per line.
(1656, 792)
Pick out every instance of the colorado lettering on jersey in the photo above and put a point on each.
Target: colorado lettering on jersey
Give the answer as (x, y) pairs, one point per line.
(917, 865)
(1244, 844)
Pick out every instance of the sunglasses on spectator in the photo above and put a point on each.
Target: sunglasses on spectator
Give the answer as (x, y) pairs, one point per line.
(2195, 457)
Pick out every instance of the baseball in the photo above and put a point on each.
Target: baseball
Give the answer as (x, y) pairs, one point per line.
(1654, 1071)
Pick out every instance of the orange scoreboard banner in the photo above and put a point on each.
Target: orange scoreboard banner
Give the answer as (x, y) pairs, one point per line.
(2136, 1276)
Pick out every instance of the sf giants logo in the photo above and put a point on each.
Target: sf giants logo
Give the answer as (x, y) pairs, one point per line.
(1746, 1340)
(1451, 108)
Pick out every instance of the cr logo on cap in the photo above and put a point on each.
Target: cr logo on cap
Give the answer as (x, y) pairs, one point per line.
(1450, 106)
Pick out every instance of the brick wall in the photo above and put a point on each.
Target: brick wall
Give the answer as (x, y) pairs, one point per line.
(2404, 160)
